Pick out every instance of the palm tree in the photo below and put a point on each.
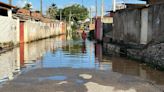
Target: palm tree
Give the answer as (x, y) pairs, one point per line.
(27, 6)
(52, 11)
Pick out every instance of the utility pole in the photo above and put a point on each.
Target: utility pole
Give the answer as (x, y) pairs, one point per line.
(70, 15)
(41, 6)
(10, 2)
(91, 15)
(96, 8)
(60, 14)
(102, 9)
(114, 5)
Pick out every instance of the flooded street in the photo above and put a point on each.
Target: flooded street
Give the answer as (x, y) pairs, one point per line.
(67, 64)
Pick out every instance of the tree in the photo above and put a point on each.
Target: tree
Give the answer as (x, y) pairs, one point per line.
(27, 6)
(52, 11)
(78, 12)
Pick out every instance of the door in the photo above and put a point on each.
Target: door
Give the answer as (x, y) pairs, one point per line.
(144, 26)
(21, 32)
(22, 44)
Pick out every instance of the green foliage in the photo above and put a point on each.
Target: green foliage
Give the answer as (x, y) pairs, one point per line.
(27, 6)
(78, 12)
(74, 26)
(52, 11)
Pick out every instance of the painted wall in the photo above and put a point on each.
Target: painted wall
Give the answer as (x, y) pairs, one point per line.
(38, 30)
(9, 29)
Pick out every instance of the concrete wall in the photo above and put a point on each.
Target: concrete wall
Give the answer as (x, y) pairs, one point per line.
(144, 26)
(38, 30)
(9, 29)
(140, 26)
(156, 22)
(155, 1)
(127, 26)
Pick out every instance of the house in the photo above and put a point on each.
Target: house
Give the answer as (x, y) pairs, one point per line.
(120, 6)
(36, 15)
(107, 26)
(142, 25)
(6, 9)
(27, 14)
(108, 18)
(23, 12)
(153, 1)
(103, 26)
(131, 26)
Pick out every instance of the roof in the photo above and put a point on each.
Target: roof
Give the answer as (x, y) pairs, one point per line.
(110, 14)
(153, 2)
(136, 4)
(6, 6)
(131, 6)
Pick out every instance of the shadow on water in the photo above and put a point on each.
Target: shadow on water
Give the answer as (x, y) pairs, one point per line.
(63, 51)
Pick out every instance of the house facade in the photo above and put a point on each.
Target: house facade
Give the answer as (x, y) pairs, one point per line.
(139, 25)
(6, 9)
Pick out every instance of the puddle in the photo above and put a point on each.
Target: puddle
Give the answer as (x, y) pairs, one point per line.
(56, 78)
(3, 80)
(61, 52)
(80, 81)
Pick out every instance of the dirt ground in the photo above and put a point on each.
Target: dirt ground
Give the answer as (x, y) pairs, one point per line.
(77, 80)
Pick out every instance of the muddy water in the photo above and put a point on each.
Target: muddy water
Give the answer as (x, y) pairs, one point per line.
(69, 52)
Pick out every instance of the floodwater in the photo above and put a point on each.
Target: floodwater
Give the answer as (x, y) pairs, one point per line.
(82, 65)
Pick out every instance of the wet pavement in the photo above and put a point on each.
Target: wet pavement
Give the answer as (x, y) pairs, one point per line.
(67, 64)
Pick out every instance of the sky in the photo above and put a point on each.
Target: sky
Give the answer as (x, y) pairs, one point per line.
(63, 3)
